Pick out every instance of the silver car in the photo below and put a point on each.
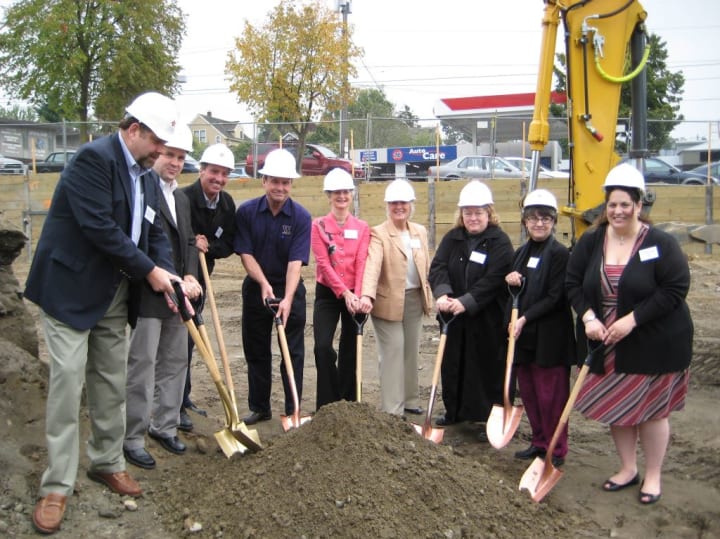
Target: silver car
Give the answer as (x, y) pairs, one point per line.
(484, 167)
(524, 164)
(11, 166)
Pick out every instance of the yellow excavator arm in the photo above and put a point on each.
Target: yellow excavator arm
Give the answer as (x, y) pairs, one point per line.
(597, 37)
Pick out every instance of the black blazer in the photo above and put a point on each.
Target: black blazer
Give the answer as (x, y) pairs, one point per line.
(85, 248)
(184, 252)
(653, 286)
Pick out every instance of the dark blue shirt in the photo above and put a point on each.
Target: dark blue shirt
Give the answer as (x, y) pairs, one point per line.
(274, 241)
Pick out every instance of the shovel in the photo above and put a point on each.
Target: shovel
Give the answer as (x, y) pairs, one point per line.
(288, 421)
(235, 437)
(359, 319)
(218, 330)
(426, 430)
(504, 420)
(542, 476)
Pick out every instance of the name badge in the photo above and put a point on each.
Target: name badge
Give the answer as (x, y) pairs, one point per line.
(350, 234)
(415, 243)
(218, 232)
(150, 214)
(649, 253)
(533, 262)
(478, 258)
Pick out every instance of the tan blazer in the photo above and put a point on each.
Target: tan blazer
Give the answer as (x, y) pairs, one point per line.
(386, 269)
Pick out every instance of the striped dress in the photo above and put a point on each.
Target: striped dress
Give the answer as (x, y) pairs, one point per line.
(628, 399)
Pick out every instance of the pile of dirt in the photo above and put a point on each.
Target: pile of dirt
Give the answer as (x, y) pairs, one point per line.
(355, 472)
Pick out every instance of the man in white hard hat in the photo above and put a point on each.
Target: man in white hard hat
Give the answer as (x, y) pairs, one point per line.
(101, 239)
(273, 241)
(157, 360)
(212, 212)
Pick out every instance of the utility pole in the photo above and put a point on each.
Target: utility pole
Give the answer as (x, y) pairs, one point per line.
(343, 6)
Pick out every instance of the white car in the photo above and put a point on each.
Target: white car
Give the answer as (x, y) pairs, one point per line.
(11, 166)
(482, 167)
(524, 164)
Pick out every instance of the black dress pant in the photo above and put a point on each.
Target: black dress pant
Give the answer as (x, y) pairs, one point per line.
(335, 371)
(257, 329)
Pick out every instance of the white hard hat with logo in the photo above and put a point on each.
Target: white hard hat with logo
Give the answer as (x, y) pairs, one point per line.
(182, 139)
(218, 154)
(475, 193)
(280, 163)
(540, 197)
(625, 175)
(338, 180)
(399, 191)
(156, 111)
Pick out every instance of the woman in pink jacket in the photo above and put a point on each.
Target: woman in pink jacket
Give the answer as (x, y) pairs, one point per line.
(340, 244)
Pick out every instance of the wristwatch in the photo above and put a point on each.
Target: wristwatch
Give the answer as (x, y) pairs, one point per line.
(589, 318)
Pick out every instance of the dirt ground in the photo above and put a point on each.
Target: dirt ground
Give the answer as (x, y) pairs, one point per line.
(356, 472)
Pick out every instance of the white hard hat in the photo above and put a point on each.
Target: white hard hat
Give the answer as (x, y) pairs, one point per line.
(218, 154)
(475, 193)
(338, 180)
(399, 191)
(182, 139)
(279, 163)
(540, 197)
(156, 111)
(625, 175)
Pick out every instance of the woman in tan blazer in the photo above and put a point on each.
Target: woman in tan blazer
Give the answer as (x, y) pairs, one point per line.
(395, 290)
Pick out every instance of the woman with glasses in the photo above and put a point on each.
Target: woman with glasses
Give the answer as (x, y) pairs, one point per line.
(395, 288)
(545, 341)
(467, 276)
(340, 244)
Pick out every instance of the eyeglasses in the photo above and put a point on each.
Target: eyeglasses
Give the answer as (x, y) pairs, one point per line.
(474, 213)
(546, 220)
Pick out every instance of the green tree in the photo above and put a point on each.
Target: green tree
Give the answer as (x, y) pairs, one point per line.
(82, 58)
(664, 95)
(294, 68)
(17, 112)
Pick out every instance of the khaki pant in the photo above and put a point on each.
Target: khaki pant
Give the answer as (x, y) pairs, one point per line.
(398, 346)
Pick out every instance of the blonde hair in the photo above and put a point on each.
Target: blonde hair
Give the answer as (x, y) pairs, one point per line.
(493, 218)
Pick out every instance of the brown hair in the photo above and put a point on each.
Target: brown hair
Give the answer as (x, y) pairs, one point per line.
(493, 218)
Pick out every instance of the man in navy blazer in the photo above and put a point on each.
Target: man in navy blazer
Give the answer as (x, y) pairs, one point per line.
(101, 239)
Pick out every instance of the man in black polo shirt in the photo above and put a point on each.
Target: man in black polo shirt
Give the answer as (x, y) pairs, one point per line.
(273, 241)
(212, 211)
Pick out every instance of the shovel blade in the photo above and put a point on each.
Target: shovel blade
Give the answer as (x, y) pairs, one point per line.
(228, 443)
(502, 424)
(247, 437)
(293, 421)
(540, 478)
(431, 433)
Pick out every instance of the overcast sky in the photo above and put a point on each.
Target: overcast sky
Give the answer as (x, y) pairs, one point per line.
(419, 51)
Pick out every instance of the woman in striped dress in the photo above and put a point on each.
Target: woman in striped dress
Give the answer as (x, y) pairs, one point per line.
(627, 281)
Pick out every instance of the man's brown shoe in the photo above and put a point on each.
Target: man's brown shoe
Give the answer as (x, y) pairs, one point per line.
(49, 512)
(119, 482)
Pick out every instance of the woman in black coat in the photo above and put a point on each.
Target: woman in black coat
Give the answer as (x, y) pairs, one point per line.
(545, 341)
(467, 279)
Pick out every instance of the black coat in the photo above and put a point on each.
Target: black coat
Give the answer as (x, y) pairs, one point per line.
(85, 248)
(217, 225)
(653, 286)
(548, 337)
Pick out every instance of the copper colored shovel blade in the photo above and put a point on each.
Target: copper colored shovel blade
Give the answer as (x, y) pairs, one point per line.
(540, 478)
(431, 433)
(502, 425)
(228, 443)
(293, 421)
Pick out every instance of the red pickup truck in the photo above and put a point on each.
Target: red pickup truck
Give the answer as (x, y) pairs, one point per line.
(317, 160)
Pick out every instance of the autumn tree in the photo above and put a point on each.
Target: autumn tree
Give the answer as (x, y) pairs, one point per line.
(295, 67)
(85, 58)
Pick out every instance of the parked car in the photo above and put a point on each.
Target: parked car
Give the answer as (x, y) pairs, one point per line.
(659, 171)
(524, 164)
(238, 172)
(702, 170)
(54, 162)
(11, 166)
(476, 167)
(317, 160)
(191, 165)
